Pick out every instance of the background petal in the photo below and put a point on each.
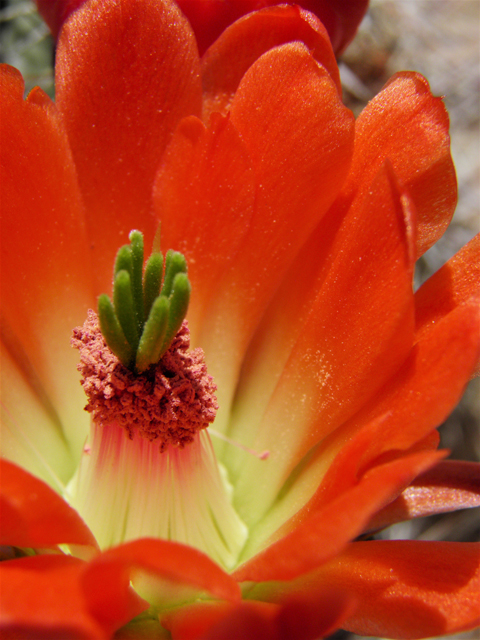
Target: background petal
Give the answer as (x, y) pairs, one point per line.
(227, 61)
(449, 486)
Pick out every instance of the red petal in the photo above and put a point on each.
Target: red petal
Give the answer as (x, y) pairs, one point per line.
(120, 110)
(336, 343)
(46, 277)
(327, 530)
(55, 12)
(408, 589)
(407, 125)
(210, 17)
(42, 598)
(108, 575)
(35, 516)
(304, 616)
(225, 64)
(222, 621)
(314, 614)
(449, 486)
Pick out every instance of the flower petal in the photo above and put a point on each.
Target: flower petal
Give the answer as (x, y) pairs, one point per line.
(449, 486)
(306, 146)
(205, 195)
(303, 616)
(333, 351)
(120, 110)
(46, 598)
(46, 277)
(42, 598)
(409, 589)
(457, 282)
(327, 530)
(227, 61)
(35, 516)
(401, 416)
(409, 126)
(222, 621)
(176, 566)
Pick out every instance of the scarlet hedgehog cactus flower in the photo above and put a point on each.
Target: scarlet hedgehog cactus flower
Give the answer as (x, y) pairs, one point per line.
(300, 228)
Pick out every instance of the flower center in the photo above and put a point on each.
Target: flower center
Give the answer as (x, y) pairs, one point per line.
(149, 468)
(168, 403)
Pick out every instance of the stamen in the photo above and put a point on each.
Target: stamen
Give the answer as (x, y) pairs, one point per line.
(261, 456)
(168, 403)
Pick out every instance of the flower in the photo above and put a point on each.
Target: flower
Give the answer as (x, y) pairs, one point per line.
(301, 228)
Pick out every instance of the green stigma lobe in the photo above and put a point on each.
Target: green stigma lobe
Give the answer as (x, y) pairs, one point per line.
(153, 337)
(146, 314)
(152, 280)
(113, 333)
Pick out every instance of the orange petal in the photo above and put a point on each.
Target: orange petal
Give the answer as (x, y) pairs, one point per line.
(35, 516)
(449, 486)
(407, 125)
(204, 195)
(415, 401)
(42, 598)
(46, 276)
(457, 282)
(329, 529)
(176, 565)
(299, 161)
(45, 597)
(120, 110)
(408, 589)
(241, 44)
(317, 369)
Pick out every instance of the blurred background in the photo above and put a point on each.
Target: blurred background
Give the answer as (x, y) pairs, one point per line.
(441, 40)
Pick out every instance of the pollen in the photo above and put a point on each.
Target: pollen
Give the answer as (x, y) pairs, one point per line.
(168, 403)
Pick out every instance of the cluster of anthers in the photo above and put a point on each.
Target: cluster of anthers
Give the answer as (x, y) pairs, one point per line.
(136, 369)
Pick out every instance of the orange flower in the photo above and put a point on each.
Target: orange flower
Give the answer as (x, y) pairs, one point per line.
(301, 228)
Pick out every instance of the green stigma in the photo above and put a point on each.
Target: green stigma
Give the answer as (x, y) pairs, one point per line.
(149, 305)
